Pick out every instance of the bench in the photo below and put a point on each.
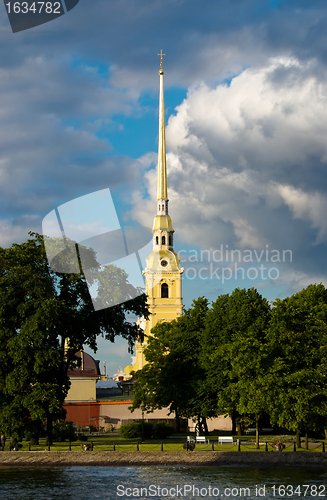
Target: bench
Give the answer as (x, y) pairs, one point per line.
(201, 439)
(225, 439)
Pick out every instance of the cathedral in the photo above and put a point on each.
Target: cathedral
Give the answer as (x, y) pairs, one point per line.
(90, 403)
(163, 274)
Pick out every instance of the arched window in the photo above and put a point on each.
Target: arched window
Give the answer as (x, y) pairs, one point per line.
(163, 207)
(170, 240)
(164, 291)
(163, 240)
(157, 240)
(159, 208)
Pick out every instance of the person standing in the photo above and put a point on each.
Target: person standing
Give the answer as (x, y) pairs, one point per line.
(2, 441)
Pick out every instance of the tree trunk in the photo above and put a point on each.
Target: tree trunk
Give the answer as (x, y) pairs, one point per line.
(239, 428)
(234, 423)
(205, 426)
(49, 428)
(199, 425)
(325, 430)
(298, 438)
(178, 422)
(306, 442)
(35, 437)
(257, 431)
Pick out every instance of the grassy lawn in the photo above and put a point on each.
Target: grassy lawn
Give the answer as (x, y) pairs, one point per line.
(108, 442)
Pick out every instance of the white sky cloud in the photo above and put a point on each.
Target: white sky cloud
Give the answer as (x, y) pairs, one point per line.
(247, 160)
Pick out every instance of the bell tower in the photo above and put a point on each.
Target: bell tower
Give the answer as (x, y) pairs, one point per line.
(163, 274)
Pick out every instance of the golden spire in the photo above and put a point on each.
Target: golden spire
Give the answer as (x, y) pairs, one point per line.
(162, 170)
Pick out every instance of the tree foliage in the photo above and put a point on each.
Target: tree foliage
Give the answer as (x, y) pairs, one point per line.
(242, 358)
(297, 334)
(39, 310)
(173, 374)
(234, 352)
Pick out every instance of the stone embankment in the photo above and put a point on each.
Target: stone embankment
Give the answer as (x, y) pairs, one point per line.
(116, 458)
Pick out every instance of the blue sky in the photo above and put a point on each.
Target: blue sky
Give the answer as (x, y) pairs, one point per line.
(246, 114)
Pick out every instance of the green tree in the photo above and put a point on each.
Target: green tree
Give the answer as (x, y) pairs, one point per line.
(173, 374)
(40, 309)
(234, 354)
(298, 375)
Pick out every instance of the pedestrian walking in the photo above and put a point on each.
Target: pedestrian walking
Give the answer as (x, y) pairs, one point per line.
(2, 441)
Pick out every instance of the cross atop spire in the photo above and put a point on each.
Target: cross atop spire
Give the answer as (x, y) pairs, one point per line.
(161, 58)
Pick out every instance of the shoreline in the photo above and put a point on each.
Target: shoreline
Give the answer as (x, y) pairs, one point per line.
(151, 458)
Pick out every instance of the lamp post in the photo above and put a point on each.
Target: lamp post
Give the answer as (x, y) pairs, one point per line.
(142, 409)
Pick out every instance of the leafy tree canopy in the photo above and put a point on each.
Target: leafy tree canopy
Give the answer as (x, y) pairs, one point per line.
(173, 374)
(234, 352)
(298, 376)
(41, 308)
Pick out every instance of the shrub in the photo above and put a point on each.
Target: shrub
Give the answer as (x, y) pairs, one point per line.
(162, 430)
(27, 435)
(33, 438)
(135, 430)
(81, 436)
(63, 431)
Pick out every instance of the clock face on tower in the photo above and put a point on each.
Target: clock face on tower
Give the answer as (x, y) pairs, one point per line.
(164, 263)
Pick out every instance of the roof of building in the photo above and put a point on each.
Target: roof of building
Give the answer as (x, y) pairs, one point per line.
(89, 366)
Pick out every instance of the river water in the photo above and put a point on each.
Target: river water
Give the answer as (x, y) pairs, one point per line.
(161, 482)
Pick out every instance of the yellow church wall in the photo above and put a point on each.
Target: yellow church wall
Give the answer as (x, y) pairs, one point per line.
(160, 309)
(175, 288)
(82, 389)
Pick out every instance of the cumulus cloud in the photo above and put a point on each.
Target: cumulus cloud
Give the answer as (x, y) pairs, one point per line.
(311, 206)
(247, 162)
(53, 144)
(291, 281)
(240, 124)
(15, 230)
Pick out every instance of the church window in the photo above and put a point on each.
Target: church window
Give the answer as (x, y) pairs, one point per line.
(157, 240)
(164, 291)
(163, 207)
(159, 208)
(163, 241)
(170, 240)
